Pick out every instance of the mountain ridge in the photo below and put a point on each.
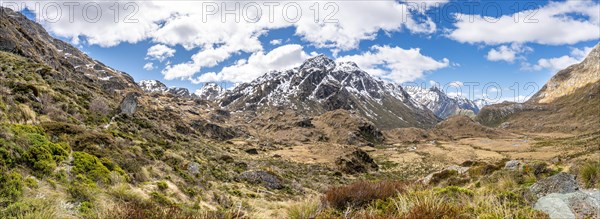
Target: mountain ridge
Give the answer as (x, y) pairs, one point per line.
(320, 85)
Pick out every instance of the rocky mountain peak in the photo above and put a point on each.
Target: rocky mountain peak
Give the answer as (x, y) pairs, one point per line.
(152, 86)
(210, 91)
(155, 86)
(320, 85)
(568, 80)
(594, 57)
(320, 62)
(440, 103)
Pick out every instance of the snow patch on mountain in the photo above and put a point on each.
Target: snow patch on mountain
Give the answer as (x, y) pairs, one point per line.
(441, 104)
(154, 86)
(210, 91)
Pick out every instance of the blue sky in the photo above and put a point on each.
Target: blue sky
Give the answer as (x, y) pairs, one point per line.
(440, 43)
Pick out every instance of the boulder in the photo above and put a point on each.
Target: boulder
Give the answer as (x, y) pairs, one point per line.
(512, 165)
(357, 161)
(580, 204)
(264, 178)
(129, 104)
(193, 168)
(559, 183)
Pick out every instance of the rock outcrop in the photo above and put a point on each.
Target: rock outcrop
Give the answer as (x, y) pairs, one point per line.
(129, 104)
(559, 183)
(356, 161)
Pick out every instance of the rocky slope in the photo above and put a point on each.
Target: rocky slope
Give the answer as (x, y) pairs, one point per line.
(441, 104)
(567, 103)
(320, 85)
(20, 36)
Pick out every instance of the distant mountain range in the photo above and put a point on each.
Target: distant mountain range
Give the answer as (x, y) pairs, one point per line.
(442, 105)
(154, 86)
(320, 85)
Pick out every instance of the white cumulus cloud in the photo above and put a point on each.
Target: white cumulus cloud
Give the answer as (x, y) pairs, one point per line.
(507, 53)
(552, 24)
(396, 64)
(149, 66)
(160, 52)
(275, 42)
(283, 57)
(558, 63)
(188, 24)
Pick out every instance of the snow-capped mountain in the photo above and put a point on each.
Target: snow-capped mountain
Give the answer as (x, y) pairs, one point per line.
(320, 85)
(210, 91)
(441, 104)
(154, 86)
(480, 103)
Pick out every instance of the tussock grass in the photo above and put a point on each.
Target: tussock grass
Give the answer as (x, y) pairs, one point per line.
(308, 208)
(361, 193)
(589, 174)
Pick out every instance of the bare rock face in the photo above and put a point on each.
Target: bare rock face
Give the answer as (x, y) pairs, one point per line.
(129, 104)
(355, 162)
(264, 178)
(559, 183)
(214, 131)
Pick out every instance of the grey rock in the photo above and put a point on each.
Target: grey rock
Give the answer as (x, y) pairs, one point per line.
(559, 183)
(580, 204)
(586, 204)
(264, 178)
(193, 168)
(512, 165)
(555, 205)
(129, 104)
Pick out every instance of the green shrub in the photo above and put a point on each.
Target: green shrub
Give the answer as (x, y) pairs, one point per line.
(11, 186)
(86, 207)
(41, 154)
(160, 198)
(112, 166)
(90, 166)
(31, 182)
(589, 173)
(454, 192)
(7, 158)
(82, 189)
(162, 185)
(40, 159)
